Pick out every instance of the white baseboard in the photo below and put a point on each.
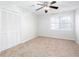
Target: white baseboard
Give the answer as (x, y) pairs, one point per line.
(32, 37)
(25, 40)
(77, 42)
(58, 37)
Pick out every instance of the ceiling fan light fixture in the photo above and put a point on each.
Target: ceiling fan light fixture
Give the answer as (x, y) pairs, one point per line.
(46, 8)
(46, 11)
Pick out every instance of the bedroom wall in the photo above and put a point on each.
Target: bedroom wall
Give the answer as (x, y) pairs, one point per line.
(16, 27)
(77, 25)
(44, 28)
(29, 26)
(0, 32)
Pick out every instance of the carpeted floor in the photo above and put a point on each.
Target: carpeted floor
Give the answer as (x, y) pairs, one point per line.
(44, 47)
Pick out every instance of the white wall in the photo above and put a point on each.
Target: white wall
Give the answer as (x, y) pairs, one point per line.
(44, 29)
(16, 27)
(29, 26)
(77, 25)
(0, 32)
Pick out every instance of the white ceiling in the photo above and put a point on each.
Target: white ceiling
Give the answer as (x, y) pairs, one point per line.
(27, 5)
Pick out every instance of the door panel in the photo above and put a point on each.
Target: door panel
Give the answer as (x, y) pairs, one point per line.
(10, 29)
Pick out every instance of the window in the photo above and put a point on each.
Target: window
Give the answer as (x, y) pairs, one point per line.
(54, 23)
(62, 22)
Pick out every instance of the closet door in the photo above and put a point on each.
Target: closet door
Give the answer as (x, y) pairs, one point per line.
(0, 33)
(4, 38)
(11, 29)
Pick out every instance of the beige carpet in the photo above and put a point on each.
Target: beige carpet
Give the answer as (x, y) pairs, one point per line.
(44, 47)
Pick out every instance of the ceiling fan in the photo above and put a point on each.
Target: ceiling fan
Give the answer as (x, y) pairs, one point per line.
(46, 5)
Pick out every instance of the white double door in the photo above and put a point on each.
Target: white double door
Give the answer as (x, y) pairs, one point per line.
(10, 29)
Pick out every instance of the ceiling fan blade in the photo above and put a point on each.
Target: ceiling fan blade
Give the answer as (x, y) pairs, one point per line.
(40, 4)
(53, 2)
(55, 7)
(41, 1)
(39, 8)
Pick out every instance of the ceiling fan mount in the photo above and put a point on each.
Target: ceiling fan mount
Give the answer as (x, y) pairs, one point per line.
(46, 5)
